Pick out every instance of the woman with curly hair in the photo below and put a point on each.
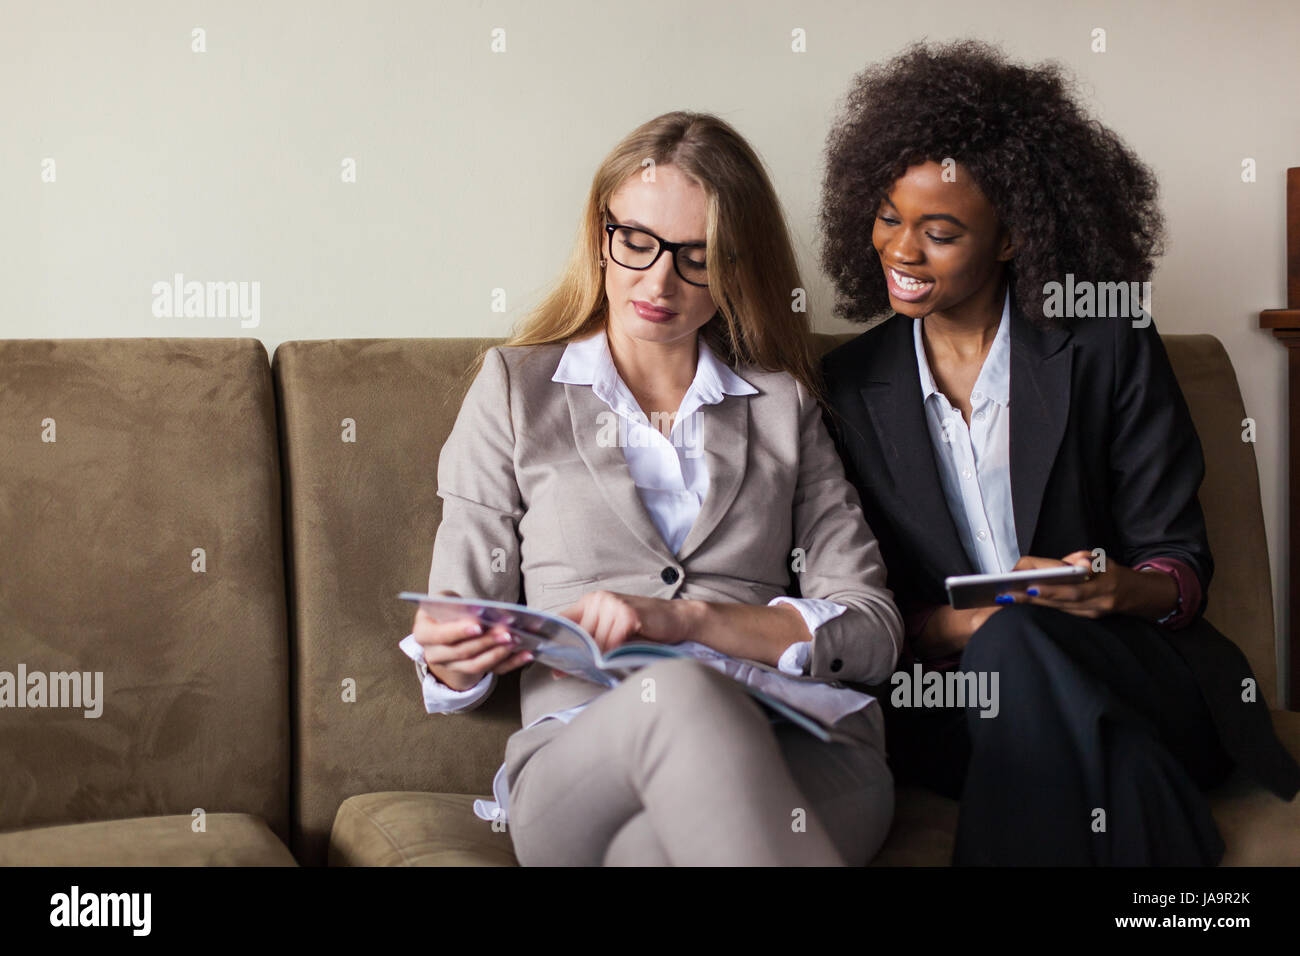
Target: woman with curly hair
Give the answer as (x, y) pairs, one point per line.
(985, 433)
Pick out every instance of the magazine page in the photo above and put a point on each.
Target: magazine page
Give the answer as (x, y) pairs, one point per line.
(554, 641)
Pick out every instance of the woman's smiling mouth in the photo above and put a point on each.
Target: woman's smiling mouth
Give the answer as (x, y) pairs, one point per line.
(905, 287)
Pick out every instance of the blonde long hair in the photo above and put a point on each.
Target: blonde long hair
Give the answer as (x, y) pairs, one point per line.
(752, 269)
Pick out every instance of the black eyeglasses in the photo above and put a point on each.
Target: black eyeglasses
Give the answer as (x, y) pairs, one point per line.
(639, 249)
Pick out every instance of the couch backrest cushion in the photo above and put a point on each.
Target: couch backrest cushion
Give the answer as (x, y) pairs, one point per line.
(1241, 594)
(361, 424)
(119, 460)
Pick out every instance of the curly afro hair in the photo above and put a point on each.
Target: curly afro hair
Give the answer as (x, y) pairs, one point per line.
(1074, 197)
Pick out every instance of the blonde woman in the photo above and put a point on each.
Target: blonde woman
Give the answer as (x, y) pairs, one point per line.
(646, 456)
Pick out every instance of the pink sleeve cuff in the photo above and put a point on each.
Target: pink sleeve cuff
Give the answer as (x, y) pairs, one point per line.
(1189, 590)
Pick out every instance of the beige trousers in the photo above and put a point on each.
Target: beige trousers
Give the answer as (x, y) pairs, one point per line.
(696, 775)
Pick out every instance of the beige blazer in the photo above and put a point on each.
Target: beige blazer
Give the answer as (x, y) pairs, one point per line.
(537, 506)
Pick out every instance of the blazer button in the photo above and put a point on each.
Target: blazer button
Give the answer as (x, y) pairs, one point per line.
(836, 664)
(668, 575)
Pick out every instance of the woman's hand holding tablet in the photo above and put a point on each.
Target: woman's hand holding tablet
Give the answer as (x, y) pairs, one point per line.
(1071, 585)
(983, 590)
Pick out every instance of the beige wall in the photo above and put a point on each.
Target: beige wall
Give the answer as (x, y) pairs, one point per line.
(226, 165)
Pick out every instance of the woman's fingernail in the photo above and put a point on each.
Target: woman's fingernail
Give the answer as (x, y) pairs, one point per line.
(473, 628)
(1032, 592)
(1005, 599)
(527, 655)
(505, 639)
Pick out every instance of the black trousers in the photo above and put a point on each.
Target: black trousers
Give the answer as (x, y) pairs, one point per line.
(1099, 753)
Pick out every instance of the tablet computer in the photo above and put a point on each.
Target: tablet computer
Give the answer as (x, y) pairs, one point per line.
(979, 590)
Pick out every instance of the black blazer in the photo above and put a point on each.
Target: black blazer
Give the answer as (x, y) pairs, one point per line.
(1103, 453)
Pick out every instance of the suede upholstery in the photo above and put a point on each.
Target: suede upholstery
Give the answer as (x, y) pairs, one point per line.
(1241, 594)
(361, 518)
(162, 447)
(216, 698)
(230, 839)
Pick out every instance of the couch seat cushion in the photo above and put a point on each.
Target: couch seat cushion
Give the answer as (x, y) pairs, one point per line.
(1258, 828)
(923, 832)
(407, 828)
(231, 839)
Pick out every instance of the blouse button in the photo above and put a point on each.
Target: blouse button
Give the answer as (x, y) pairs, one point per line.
(979, 416)
(982, 535)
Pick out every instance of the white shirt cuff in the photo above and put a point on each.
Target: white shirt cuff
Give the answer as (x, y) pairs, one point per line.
(815, 612)
(795, 658)
(438, 697)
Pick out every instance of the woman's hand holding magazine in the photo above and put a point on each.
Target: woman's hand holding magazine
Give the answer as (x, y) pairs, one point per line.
(459, 653)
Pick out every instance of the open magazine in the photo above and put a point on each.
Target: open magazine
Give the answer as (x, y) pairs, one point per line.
(561, 644)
